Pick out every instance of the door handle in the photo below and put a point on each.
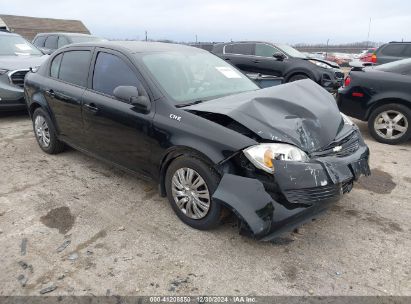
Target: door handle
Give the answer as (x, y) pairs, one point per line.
(256, 61)
(227, 59)
(91, 107)
(51, 93)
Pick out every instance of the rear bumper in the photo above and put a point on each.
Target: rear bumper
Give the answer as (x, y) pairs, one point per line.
(297, 193)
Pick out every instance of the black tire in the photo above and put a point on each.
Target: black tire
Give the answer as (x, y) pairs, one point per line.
(215, 212)
(298, 77)
(55, 146)
(395, 108)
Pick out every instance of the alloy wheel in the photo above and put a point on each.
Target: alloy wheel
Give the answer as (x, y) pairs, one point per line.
(391, 124)
(42, 131)
(190, 193)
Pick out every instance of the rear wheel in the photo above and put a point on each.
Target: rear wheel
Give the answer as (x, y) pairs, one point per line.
(190, 184)
(390, 124)
(45, 132)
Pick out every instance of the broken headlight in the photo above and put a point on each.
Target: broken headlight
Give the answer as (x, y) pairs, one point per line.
(262, 155)
(321, 64)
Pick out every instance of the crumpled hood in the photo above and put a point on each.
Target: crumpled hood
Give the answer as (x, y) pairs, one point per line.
(330, 63)
(22, 62)
(300, 113)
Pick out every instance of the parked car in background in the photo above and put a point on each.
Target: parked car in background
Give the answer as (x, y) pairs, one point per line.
(195, 124)
(49, 42)
(367, 55)
(380, 95)
(391, 52)
(342, 59)
(17, 56)
(280, 60)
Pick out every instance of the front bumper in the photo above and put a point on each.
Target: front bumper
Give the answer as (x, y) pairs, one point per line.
(11, 96)
(297, 193)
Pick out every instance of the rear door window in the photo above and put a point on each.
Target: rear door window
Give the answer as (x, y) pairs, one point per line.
(110, 71)
(240, 48)
(74, 67)
(62, 41)
(393, 49)
(51, 42)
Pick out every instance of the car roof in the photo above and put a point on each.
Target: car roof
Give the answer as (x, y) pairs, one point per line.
(138, 46)
(64, 34)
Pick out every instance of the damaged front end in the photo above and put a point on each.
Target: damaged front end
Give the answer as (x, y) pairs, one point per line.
(308, 155)
(271, 204)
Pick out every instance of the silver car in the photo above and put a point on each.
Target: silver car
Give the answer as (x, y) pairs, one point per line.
(17, 56)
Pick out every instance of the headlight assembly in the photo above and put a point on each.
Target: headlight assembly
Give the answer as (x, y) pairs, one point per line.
(262, 155)
(3, 71)
(347, 120)
(321, 64)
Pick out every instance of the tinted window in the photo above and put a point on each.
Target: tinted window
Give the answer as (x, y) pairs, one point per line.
(62, 41)
(40, 41)
(407, 52)
(74, 67)
(393, 49)
(240, 48)
(264, 50)
(51, 43)
(110, 72)
(55, 66)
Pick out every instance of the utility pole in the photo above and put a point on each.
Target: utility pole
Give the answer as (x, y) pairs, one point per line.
(146, 35)
(369, 30)
(326, 50)
(196, 39)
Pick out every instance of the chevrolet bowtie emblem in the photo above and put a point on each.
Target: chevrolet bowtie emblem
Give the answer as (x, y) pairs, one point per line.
(337, 149)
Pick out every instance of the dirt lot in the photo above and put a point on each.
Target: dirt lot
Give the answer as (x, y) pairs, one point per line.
(122, 238)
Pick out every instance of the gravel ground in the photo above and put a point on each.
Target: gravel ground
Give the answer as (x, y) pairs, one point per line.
(72, 225)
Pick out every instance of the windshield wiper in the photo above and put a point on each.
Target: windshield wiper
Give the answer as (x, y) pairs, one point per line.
(189, 104)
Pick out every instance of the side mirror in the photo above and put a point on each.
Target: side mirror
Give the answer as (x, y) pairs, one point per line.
(279, 56)
(131, 95)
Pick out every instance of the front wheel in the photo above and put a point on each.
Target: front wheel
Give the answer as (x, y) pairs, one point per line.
(298, 77)
(390, 124)
(190, 183)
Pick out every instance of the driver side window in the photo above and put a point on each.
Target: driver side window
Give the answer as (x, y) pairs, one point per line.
(265, 50)
(110, 71)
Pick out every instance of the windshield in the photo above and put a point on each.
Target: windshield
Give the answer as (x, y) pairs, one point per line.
(195, 76)
(79, 39)
(16, 45)
(400, 66)
(289, 50)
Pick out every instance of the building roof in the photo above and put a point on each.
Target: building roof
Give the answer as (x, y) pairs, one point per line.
(29, 27)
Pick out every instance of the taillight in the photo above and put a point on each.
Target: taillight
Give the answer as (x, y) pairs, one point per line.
(374, 58)
(347, 81)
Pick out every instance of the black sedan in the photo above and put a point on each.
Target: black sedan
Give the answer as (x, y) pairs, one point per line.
(380, 95)
(276, 157)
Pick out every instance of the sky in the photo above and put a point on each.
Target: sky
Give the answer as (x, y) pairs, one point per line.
(286, 21)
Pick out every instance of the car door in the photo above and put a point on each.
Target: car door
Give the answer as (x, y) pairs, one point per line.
(240, 55)
(264, 61)
(64, 91)
(115, 129)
